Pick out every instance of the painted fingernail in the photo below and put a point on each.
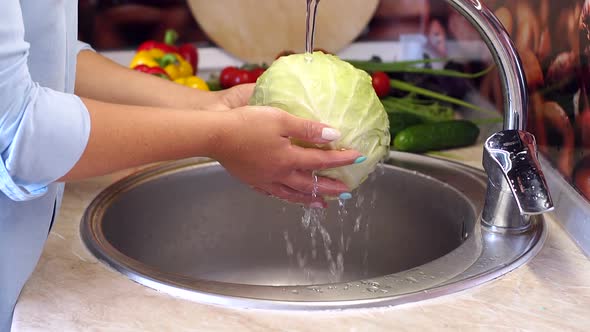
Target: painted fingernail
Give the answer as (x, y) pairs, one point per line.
(316, 205)
(330, 134)
(360, 159)
(345, 196)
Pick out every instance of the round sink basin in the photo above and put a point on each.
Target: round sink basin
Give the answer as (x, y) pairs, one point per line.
(410, 232)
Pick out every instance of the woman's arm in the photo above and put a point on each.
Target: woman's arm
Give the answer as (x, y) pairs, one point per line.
(252, 143)
(99, 78)
(123, 136)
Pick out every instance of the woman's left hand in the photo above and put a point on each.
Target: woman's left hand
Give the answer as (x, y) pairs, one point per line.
(231, 98)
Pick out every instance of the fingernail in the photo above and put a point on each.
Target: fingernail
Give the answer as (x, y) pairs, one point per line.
(330, 134)
(360, 159)
(316, 205)
(345, 196)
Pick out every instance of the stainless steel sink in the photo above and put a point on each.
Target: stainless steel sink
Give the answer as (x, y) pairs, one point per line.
(411, 232)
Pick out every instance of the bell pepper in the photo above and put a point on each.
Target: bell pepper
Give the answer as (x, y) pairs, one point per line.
(193, 82)
(172, 63)
(187, 51)
(157, 71)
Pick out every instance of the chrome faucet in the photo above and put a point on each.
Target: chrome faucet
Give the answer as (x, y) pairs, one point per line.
(516, 185)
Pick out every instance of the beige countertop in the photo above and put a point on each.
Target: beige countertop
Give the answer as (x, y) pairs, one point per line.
(71, 291)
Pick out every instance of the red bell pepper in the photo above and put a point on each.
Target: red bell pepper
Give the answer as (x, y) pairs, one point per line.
(152, 71)
(189, 53)
(187, 50)
(151, 44)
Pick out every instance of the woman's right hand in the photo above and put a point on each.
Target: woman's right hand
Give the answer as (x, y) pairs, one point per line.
(255, 146)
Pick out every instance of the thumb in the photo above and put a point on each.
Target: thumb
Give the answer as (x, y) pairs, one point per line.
(309, 131)
(238, 95)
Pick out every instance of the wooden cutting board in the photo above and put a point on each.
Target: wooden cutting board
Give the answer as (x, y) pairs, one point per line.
(257, 30)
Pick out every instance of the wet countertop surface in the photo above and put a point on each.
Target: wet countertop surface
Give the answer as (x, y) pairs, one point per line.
(71, 291)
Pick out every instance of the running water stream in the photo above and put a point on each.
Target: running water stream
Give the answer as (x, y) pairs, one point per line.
(315, 220)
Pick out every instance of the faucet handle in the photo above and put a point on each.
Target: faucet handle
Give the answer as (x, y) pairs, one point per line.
(510, 156)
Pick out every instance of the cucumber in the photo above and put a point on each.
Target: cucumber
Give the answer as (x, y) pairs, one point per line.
(436, 136)
(399, 121)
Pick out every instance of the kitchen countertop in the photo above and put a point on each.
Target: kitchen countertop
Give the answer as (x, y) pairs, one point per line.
(71, 291)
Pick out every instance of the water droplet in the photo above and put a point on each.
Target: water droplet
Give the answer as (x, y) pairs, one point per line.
(315, 289)
(294, 291)
(373, 289)
(412, 280)
(357, 223)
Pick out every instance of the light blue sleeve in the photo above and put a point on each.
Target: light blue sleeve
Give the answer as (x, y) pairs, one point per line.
(82, 46)
(43, 132)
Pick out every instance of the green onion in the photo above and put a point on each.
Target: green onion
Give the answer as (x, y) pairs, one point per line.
(390, 66)
(404, 86)
(408, 67)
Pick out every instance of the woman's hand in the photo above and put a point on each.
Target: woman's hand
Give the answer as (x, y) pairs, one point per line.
(256, 148)
(231, 98)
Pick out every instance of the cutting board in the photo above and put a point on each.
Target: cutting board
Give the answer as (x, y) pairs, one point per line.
(257, 30)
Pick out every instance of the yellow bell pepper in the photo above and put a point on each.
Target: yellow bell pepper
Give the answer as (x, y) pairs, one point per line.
(172, 63)
(193, 82)
(148, 58)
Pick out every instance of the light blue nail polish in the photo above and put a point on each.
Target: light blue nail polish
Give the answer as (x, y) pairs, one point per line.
(345, 196)
(360, 160)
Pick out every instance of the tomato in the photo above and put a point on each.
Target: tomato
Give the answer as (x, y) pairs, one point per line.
(227, 77)
(255, 73)
(381, 83)
(232, 76)
(241, 77)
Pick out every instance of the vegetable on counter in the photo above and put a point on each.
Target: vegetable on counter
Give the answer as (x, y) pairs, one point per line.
(421, 103)
(331, 91)
(381, 84)
(166, 60)
(157, 71)
(436, 136)
(399, 121)
(231, 76)
(187, 51)
(172, 63)
(193, 82)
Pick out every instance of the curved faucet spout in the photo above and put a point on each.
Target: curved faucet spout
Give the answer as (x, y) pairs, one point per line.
(505, 56)
(516, 184)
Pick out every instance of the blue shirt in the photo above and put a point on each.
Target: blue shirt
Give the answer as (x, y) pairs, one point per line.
(44, 129)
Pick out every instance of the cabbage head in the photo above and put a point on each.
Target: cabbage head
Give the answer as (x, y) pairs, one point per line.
(324, 88)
